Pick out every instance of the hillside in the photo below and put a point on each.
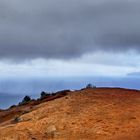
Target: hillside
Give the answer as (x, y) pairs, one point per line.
(88, 114)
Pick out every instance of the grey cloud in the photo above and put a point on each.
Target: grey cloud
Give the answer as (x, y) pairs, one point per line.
(67, 28)
(134, 74)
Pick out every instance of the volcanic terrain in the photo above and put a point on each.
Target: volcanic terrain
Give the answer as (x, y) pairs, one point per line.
(87, 114)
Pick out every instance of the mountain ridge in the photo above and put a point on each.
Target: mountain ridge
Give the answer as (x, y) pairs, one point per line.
(99, 113)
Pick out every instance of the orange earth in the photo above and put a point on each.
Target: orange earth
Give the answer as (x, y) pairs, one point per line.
(88, 114)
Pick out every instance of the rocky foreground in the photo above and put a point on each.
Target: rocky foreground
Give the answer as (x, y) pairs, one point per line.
(89, 114)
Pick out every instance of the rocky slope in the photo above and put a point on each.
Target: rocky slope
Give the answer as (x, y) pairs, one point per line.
(89, 114)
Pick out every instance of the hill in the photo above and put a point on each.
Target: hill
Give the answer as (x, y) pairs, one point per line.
(88, 114)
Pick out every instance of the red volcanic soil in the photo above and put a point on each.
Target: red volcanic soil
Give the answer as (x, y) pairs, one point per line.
(88, 114)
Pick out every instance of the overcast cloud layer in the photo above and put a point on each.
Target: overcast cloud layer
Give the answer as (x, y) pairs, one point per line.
(67, 28)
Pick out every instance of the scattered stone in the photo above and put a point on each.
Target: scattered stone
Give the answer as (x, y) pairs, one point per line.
(51, 131)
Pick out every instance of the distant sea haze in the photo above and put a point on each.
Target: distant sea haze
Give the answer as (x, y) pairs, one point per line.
(13, 90)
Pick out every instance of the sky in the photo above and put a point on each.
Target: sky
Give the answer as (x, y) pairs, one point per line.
(59, 44)
(69, 38)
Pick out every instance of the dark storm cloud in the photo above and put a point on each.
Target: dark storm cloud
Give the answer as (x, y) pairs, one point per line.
(67, 28)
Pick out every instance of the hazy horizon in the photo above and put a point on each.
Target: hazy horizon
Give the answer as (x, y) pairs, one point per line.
(12, 90)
